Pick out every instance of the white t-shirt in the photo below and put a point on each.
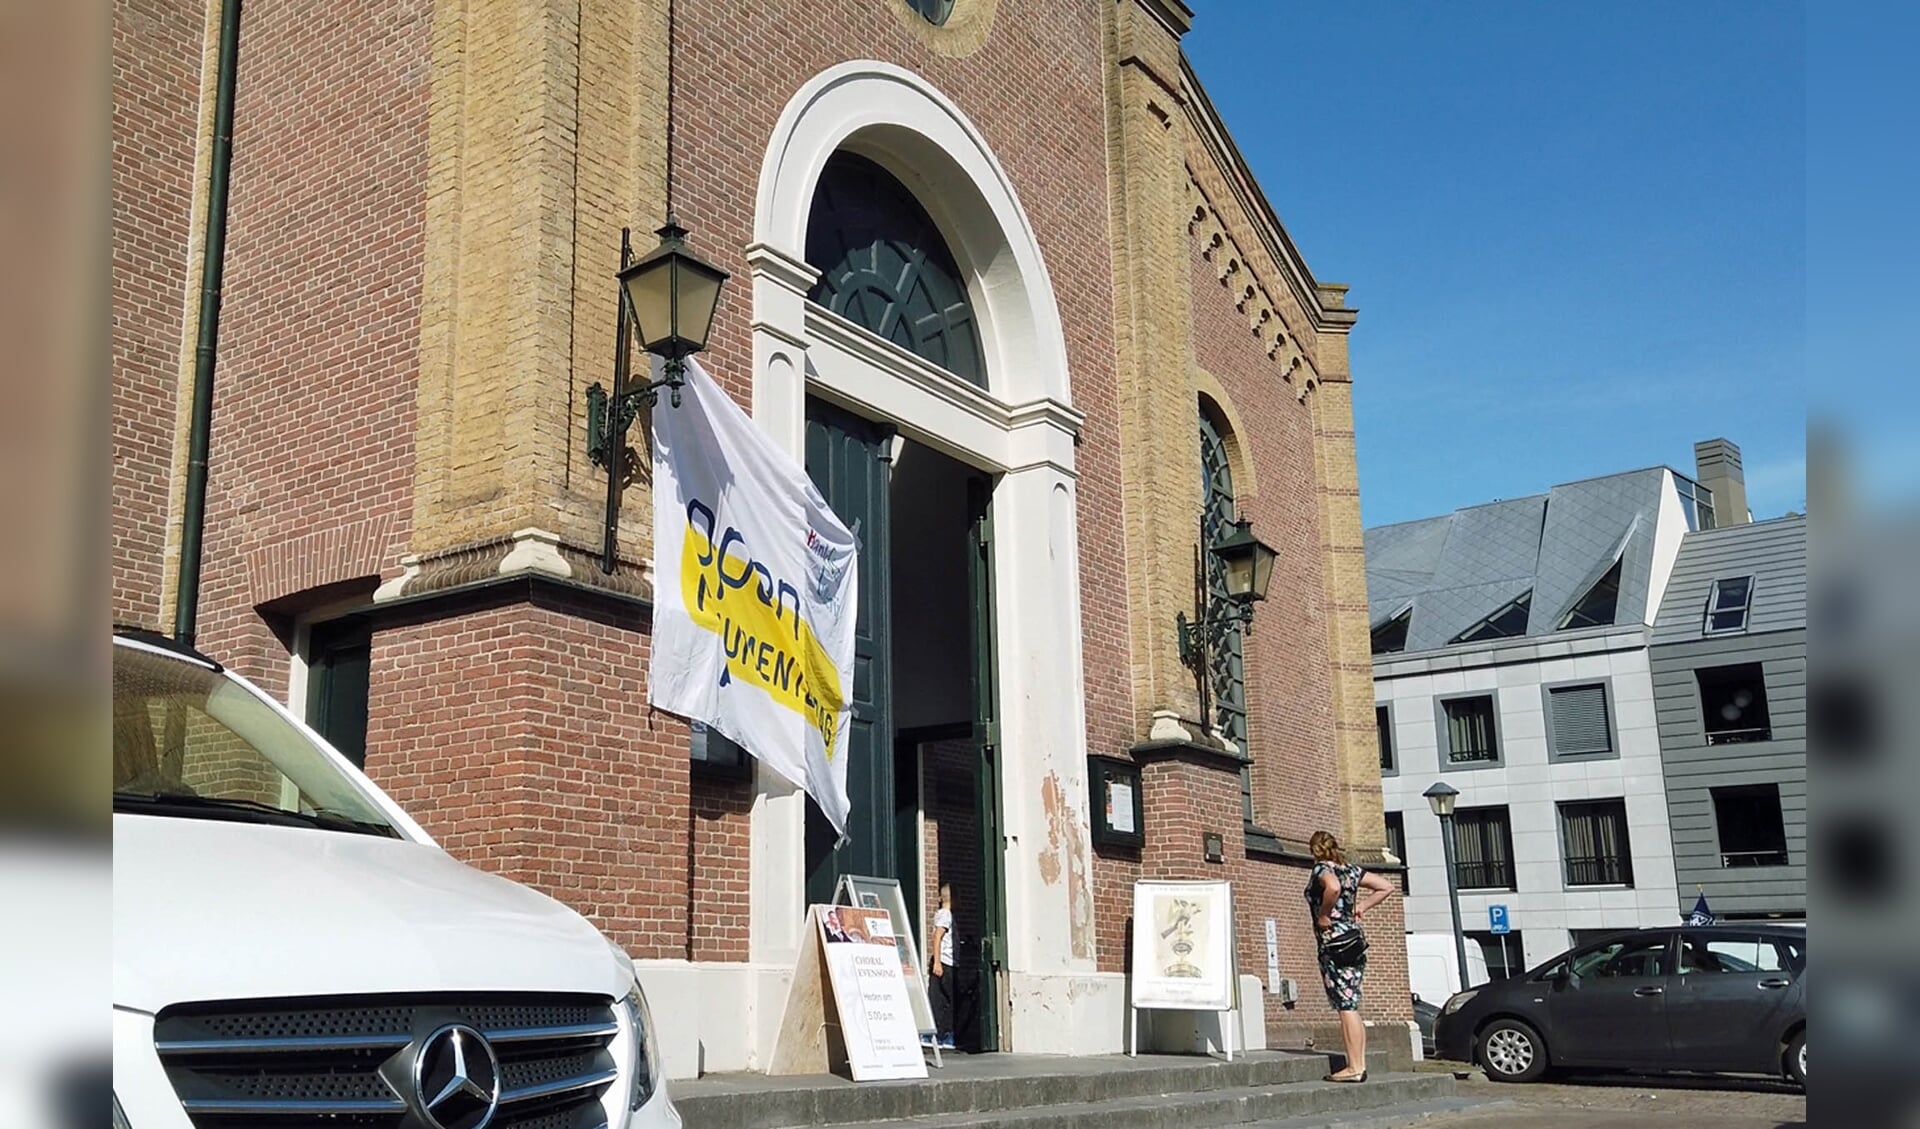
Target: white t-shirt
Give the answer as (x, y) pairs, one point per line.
(943, 921)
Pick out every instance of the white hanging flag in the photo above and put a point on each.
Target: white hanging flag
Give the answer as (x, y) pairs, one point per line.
(754, 593)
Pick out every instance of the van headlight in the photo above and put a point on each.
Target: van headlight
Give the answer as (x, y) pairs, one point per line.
(1460, 1000)
(119, 1115)
(646, 1064)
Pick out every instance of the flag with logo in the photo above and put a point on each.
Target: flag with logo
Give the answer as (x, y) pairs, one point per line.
(1701, 915)
(754, 594)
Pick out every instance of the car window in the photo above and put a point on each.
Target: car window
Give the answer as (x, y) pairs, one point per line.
(1627, 956)
(190, 742)
(1731, 954)
(1795, 950)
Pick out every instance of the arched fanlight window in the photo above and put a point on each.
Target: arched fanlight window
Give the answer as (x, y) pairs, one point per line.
(884, 266)
(935, 11)
(1226, 669)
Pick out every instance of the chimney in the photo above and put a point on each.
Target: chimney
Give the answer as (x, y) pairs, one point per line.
(1716, 465)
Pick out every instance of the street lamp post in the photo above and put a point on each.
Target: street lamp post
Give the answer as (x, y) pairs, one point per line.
(1441, 797)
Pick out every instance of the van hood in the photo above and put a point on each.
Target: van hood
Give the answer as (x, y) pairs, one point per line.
(218, 910)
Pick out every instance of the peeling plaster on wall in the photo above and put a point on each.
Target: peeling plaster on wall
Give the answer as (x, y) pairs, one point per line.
(1053, 801)
(1066, 844)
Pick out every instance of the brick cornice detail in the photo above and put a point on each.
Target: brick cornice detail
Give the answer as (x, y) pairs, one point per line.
(353, 551)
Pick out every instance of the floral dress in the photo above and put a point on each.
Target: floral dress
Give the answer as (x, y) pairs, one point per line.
(1342, 982)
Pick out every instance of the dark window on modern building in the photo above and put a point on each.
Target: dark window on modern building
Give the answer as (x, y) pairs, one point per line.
(1470, 730)
(885, 266)
(1226, 662)
(1593, 838)
(1696, 501)
(1397, 843)
(935, 11)
(1752, 830)
(1596, 608)
(1506, 953)
(339, 678)
(1728, 604)
(1507, 623)
(1483, 848)
(1578, 717)
(1383, 724)
(1391, 637)
(1733, 703)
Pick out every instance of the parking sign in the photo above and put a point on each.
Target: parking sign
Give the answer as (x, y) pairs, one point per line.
(1497, 920)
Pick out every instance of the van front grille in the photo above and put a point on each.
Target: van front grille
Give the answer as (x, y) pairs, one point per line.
(349, 1063)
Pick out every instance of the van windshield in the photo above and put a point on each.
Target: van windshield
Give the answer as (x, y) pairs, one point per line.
(191, 743)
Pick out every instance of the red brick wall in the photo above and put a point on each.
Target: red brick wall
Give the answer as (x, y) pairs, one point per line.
(518, 737)
(952, 841)
(156, 104)
(314, 400)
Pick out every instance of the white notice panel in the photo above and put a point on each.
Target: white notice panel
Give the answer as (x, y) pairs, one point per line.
(1183, 946)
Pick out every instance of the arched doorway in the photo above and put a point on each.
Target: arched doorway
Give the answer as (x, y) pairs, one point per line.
(901, 306)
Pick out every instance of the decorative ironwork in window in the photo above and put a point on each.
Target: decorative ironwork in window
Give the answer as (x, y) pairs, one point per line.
(1483, 848)
(1471, 736)
(1598, 850)
(885, 266)
(1226, 668)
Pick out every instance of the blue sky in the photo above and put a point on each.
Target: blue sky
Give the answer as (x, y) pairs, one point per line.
(1576, 233)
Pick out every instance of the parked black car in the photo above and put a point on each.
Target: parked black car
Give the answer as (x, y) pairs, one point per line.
(1716, 998)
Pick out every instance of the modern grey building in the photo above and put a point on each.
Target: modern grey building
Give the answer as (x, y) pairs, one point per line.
(1729, 662)
(1512, 659)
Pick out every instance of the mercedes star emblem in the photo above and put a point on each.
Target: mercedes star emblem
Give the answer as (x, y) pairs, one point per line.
(456, 1078)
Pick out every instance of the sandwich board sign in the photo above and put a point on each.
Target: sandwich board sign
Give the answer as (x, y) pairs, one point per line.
(1183, 953)
(848, 1004)
(885, 894)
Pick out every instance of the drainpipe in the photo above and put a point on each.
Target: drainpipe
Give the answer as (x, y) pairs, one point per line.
(213, 262)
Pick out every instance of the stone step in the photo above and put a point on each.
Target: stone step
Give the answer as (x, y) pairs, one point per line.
(994, 1085)
(1237, 1106)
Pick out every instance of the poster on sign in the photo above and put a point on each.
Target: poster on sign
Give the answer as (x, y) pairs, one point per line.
(1183, 955)
(871, 995)
(885, 894)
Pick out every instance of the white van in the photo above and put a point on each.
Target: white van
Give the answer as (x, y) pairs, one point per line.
(1433, 968)
(290, 949)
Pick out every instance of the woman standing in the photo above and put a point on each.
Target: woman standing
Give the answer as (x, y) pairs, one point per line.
(1334, 899)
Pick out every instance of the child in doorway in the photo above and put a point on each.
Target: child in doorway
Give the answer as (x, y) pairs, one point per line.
(940, 984)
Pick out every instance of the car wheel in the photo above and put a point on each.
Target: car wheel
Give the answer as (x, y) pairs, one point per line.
(1511, 1051)
(1796, 1058)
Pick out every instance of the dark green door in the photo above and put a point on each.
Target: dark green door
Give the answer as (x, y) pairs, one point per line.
(849, 460)
(986, 733)
(339, 662)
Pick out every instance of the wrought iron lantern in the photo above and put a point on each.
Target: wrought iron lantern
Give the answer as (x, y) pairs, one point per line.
(667, 300)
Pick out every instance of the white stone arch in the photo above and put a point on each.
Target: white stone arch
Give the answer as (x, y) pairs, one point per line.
(1021, 429)
(893, 116)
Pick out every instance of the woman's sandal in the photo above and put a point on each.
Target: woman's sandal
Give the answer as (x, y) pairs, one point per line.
(1360, 1077)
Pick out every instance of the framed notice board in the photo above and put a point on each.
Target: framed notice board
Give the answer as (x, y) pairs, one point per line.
(1119, 815)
